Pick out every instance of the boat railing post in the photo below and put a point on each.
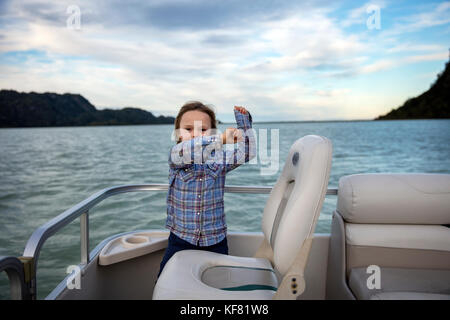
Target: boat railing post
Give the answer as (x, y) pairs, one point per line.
(84, 237)
(18, 272)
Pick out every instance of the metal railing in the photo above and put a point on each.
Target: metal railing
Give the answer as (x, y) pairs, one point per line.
(81, 210)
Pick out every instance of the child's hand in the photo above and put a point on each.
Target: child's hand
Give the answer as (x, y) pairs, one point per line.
(241, 109)
(231, 135)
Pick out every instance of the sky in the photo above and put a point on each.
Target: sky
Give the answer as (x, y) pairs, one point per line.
(282, 60)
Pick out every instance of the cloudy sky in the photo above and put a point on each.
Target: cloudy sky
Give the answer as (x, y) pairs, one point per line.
(283, 60)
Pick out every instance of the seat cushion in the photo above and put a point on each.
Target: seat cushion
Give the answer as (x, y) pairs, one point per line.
(409, 296)
(396, 280)
(204, 275)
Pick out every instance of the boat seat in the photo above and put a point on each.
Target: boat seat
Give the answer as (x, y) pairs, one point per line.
(397, 223)
(409, 296)
(288, 223)
(419, 283)
(204, 275)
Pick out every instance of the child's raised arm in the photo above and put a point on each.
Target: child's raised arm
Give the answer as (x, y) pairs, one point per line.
(247, 148)
(185, 153)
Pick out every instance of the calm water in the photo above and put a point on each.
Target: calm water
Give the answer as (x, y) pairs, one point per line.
(44, 171)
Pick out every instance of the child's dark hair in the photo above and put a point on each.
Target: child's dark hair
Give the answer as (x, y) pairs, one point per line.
(194, 105)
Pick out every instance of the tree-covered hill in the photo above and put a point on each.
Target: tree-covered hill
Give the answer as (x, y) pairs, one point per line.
(20, 109)
(432, 104)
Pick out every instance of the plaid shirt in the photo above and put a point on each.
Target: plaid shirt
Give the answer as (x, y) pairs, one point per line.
(195, 206)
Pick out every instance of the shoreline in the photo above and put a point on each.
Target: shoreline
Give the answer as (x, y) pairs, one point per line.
(226, 123)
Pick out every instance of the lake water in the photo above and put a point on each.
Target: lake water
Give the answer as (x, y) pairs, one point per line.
(45, 171)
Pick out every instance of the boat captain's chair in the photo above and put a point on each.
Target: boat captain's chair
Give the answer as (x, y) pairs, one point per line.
(289, 219)
(390, 238)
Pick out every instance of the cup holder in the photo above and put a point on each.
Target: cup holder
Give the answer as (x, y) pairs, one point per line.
(133, 241)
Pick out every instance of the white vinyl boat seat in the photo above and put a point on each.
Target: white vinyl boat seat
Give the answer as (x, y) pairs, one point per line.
(398, 223)
(204, 275)
(276, 270)
(414, 284)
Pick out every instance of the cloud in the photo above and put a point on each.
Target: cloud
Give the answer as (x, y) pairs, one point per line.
(436, 16)
(411, 47)
(284, 59)
(428, 57)
(307, 42)
(385, 64)
(378, 66)
(160, 14)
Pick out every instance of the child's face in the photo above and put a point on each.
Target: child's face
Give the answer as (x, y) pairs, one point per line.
(193, 124)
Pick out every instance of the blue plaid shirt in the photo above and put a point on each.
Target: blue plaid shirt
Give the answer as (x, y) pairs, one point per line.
(195, 206)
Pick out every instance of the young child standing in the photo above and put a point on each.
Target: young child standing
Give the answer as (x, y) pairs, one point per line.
(198, 164)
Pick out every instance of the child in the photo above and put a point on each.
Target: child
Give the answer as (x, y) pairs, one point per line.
(198, 164)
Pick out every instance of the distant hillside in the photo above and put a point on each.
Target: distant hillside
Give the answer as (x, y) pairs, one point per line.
(432, 104)
(19, 109)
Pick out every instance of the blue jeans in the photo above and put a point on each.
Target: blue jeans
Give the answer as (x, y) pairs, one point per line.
(177, 244)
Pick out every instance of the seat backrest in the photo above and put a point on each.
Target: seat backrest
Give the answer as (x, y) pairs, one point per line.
(395, 198)
(396, 220)
(295, 201)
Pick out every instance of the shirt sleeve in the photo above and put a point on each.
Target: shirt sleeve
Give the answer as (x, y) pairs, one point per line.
(185, 153)
(245, 150)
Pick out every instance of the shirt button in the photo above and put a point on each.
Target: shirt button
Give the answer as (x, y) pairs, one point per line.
(200, 179)
(198, 213)
(199, 196)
